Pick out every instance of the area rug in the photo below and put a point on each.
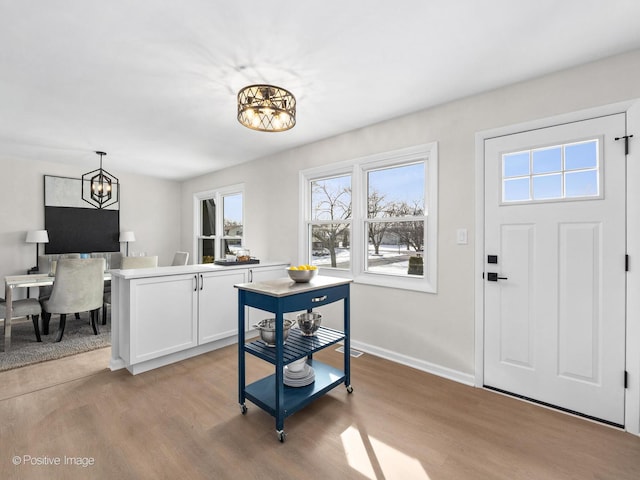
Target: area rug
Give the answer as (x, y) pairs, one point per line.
(78, 338)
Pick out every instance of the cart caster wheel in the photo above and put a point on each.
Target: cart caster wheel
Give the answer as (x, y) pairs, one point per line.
(349, 389)
(281, 435)
(243, 409)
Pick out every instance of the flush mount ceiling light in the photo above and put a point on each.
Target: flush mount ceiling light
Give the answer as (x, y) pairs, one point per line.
(99, 187)
(266, 108)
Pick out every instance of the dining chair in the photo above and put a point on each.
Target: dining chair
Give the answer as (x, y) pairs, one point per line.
(127, 262)
(47, 265)
(180, 258)
(28, 307)
(44, 266)
(115, 263)
(78, 287)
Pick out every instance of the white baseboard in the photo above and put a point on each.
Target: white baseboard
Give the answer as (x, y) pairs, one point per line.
(164, 360)
(117, 364)
(448, 373)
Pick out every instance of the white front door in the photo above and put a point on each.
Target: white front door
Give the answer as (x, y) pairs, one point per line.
(555, 266)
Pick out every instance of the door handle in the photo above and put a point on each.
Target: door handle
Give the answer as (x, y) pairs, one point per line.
(493, 277)
(201, 282)
(196, 287)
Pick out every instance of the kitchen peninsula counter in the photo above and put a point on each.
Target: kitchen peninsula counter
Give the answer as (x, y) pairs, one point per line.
(167, 314)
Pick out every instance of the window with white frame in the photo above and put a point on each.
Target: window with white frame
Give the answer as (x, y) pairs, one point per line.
(218, 223)
(374, 218)
(330, 222)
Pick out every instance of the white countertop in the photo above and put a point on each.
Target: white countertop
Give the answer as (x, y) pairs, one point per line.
(189, 269)
(282, 287)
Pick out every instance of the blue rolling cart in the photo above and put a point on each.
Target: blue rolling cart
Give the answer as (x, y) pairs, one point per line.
(279, 297)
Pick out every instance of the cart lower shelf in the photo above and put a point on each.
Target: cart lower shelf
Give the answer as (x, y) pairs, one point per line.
(297, 345)
(263, 392)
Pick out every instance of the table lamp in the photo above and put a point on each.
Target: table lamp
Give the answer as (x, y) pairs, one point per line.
(37, 237)
(127, 237)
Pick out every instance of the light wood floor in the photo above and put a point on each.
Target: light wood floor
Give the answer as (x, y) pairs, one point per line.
(183, 422)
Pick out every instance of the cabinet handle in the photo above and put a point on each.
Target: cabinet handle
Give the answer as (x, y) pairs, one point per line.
(250, 276)
(319, 299)
(196, 287)
(201, 282)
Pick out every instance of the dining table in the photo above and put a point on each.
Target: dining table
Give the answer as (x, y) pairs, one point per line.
(14, 282)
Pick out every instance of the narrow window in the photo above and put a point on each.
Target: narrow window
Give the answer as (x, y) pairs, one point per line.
(330, 225)
(232, 222)
(395, 220)
(220, 229)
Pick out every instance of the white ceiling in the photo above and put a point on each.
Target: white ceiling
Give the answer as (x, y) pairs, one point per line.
(154, 82)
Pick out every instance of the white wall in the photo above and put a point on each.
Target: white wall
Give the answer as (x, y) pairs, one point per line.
(148, 206)
(431, 331)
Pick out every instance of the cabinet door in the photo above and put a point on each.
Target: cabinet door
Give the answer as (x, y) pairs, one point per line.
(218, 305)
(163, 316)
(257, 275)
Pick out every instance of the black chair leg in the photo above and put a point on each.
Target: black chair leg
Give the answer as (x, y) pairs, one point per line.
(104, 313)
(36, 319)
(63, 322)
(77, 315)
(46, 316)
(94, 321)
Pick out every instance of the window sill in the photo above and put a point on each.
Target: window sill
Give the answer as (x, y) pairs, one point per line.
(387, 281)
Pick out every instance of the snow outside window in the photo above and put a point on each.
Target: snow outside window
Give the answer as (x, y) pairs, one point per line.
(374, 219)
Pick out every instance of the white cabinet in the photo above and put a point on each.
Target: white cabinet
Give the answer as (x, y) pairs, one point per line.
(263, 274)
(167, 314)
(218, 305)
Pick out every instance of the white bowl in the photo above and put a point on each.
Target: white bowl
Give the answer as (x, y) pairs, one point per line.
(298, 365)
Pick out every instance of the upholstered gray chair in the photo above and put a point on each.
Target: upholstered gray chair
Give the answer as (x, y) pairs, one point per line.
(180, 258)
(44, 266)
(79, 287)
(127, 262)
(29, 307)
(47, 264)
(115, 263)
(44, 263)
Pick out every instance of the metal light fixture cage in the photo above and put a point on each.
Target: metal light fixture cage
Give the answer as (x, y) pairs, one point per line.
(98, 187)
(266, 108)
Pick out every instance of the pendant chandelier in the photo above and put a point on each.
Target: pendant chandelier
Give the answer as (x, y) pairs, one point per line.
(266, 108)
(99, 187)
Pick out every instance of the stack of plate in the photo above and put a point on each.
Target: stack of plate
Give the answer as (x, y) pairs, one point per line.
(299, 374)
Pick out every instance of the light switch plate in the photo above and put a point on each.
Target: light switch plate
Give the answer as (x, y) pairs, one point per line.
(462, 236)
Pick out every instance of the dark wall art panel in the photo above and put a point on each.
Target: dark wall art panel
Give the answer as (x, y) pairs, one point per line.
(81, 230)
(73, 225)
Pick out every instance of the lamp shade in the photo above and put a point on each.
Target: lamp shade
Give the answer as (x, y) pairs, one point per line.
(37, 236)
(127, 236)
